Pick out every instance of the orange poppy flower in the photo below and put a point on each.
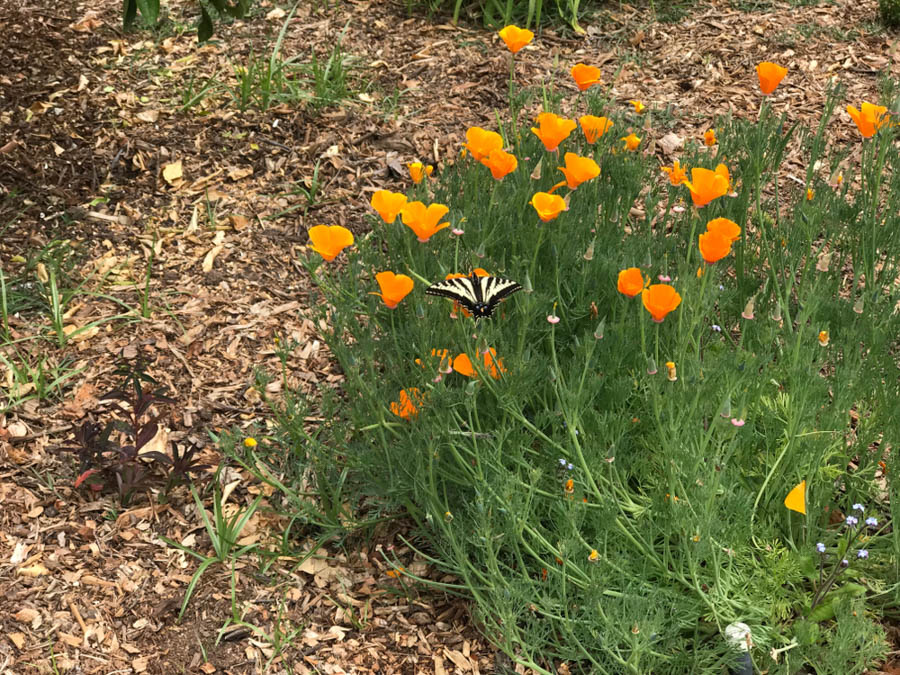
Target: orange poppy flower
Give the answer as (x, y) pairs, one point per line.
(659, 300)
(515, 37)
(394, 287)
(706, 185)
(631, 141)
(578, 169)
(480, 142)
(770, 76)
(408, 403)
(585, 76)
(462, 364)
(714, 246)
(445, 363)
(418, 171)
(869, 119)
(594, 127)
(388, 204)
(709, 138)
(553, 129)
(631, 282)
(424, 220)
(500, 163)
(677, 174)
(548, 206)
(796, 498)
(638, 106)
(478, 272)
(329, 241)
(727, 228)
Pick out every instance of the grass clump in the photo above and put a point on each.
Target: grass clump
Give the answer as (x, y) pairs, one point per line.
(684, 422)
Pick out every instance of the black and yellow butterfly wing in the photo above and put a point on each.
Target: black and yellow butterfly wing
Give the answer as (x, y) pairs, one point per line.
(479, 295)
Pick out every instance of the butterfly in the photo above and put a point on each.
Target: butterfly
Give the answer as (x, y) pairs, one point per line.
(480, 295)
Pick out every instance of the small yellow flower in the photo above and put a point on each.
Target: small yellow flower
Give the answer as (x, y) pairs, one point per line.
(250, 442)
(810, 193)
(594, 555)
(569, 486)
(631, 141)
(695, 538)
(448, 516)
(638, 106)
(709, 138)
(418, 171)
(823, 338)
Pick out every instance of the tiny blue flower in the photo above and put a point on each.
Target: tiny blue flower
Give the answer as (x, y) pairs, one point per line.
(717, 328)
(721, 287)
(845, 563)
(820, 547)
(562, 461)
(872, 521)
(570, 466)
(862, 553)
(859, 507)
(851, 521)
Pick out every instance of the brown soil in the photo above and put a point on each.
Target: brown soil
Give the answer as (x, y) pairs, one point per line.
(89, 112)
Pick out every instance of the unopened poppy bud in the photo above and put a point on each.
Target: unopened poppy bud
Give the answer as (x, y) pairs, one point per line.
(598, 331)
(651, 366)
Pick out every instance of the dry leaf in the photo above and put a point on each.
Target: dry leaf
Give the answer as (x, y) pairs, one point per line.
(18, 639)
(237, 173)
(238, 222)
(214, 251)
(276, 13)
(671, 142)
(172, 172)
(150, 116)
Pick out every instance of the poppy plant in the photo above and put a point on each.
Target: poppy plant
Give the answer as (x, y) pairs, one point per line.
(329, 241)
(552, 129)
(706, 185)
(709, 138)
(418, 171)
(869, 119)
(445, 363)
(631, 141)
(676, 173)
(388, 204)
(394, 287)
(515, 37)
(585, 76)
(659, 300)
(594, 127)
(714, 246)
(770, 76)
(424, 220)
(408, 403)
(500, 163)
(480, 142)
(727, 228)
(578, 169)
(631, 282)
(548, 206)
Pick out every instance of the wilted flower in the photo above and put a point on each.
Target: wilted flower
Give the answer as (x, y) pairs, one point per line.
(585, 76)
(394, 287)
(638, 106)
(823, 338)
(706, 185)
(659, 300)
(408, 403)
(552, 129)
(578, 169)
(424, 220)
(810, 193)
(796, 498)
(671, 371)
(709, 138)
(748, 309)
(820, 547)
(824, 261)
(500, 163)
(869, 119)
(418, 171)
(631, 141)
(631, 282)
(329, 241)
(727, 228)
(569, 486)
(845, 563)
(548, 206)
(713, 246)
(770, 75)
(737, 422)
(594, 127)
(388, 204)
(515, 37)
(552, 318)
(677, 174)
(480, 142)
